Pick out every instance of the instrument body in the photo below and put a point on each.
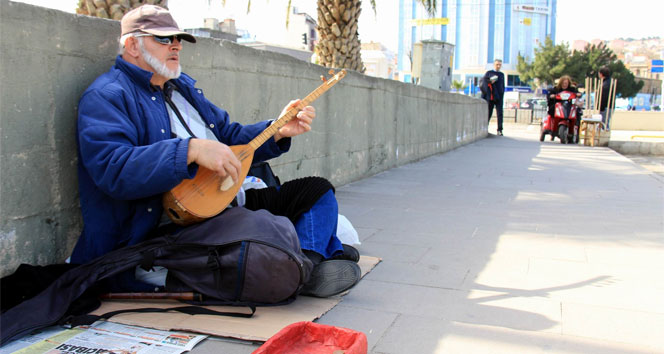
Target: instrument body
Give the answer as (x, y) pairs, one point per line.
(196, 199)
(206, 195)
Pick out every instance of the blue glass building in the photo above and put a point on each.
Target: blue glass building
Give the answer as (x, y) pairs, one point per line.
(481, 31)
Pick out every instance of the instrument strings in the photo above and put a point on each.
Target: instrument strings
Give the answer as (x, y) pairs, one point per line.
(213, 178)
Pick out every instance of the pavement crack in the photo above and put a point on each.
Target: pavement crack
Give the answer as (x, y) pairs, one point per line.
(385, 332)
(465, 276)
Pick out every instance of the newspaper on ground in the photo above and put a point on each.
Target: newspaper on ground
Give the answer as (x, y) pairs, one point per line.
(36, 337)
(104, 337)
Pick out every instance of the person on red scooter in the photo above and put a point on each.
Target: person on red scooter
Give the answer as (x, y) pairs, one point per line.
(564, 84)
(554, 125)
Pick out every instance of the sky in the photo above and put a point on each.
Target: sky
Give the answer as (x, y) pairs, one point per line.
(576, 19)
(606, 19)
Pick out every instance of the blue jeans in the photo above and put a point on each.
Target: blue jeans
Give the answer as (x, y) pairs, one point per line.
(317, 228)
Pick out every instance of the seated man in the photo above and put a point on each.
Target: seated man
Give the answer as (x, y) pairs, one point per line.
(143, 127)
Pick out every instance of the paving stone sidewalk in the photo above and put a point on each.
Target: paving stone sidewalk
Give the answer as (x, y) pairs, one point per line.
(507, 245)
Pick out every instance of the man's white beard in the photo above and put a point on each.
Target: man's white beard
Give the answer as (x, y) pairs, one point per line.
(159, 67)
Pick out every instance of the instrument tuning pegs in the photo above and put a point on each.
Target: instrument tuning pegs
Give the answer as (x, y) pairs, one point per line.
(331, 72)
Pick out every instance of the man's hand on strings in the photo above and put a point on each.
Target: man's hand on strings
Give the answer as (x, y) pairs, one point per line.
(301, 123)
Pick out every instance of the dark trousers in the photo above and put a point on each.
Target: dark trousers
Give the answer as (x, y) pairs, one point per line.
(310, 204)
(499, 112)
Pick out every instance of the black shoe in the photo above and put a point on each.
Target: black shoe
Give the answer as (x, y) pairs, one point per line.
(350, 254)
(500, 133)
(313, 256)
(332, 277)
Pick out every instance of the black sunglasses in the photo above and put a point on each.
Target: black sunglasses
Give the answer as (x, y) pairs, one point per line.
(165, 40)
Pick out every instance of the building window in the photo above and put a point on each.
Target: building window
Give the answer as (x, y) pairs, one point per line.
(514, 80)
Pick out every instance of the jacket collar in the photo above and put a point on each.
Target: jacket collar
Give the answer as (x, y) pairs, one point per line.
(139, 76)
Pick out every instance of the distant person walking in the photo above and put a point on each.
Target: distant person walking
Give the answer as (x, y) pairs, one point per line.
(605, 75)
(493, 88)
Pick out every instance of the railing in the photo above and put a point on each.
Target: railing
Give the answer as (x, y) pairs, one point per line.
(524, 116)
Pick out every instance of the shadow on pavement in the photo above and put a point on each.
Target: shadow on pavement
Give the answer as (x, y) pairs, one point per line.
(491, 237)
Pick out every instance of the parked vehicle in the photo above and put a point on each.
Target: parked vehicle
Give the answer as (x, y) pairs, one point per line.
(533, 103)
(563, 123)
(537, 103)
(526, 105)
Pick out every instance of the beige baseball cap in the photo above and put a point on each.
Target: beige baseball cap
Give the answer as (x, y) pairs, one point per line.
(154, 20)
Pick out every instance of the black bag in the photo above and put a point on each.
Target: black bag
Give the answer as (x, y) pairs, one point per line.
(263, 171)
(240, 257)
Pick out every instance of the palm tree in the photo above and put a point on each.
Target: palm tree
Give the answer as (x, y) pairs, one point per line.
(113, 9)
(339, 44)
(458, 85)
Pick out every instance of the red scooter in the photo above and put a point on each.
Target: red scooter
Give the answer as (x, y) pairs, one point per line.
(563, 123)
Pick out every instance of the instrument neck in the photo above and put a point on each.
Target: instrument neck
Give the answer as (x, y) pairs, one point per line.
(288, 115)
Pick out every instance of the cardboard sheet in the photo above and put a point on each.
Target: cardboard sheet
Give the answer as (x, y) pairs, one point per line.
(266, 321)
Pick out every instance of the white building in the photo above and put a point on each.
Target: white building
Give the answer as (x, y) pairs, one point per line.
(378, 60)
(298, 39)
(301, 31)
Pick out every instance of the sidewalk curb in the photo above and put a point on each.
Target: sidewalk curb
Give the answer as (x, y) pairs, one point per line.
(637, 147)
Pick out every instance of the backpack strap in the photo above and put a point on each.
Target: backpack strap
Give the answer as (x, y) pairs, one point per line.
(73, 321)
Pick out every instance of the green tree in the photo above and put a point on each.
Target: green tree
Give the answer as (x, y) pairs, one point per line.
(628, 85)
(579, 67)
(597, 56)
(552, 61)
(587, 63)
(549, 64)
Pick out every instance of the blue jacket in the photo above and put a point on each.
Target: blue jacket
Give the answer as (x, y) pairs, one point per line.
(127, 158)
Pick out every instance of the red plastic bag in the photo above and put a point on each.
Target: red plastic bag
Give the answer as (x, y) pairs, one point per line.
(313, 338)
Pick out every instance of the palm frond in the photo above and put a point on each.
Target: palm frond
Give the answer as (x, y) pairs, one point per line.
(429, 6)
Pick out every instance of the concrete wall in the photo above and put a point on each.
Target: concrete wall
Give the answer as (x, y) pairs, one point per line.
(364, 125)
(637, 120)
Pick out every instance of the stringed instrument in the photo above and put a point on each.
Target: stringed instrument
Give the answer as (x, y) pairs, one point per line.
(207, 194)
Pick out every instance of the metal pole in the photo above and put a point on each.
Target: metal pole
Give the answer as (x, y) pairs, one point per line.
(612, 98)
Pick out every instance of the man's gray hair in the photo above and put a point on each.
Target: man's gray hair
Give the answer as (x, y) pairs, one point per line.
(495, 60)
(123, 40)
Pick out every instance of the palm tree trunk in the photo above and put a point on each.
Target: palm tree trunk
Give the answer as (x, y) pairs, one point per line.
(113, 9)
(339, 44)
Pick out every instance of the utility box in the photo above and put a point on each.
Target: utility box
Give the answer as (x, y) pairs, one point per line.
(432, 64)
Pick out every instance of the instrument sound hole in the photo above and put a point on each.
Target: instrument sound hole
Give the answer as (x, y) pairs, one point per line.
(174, 213)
